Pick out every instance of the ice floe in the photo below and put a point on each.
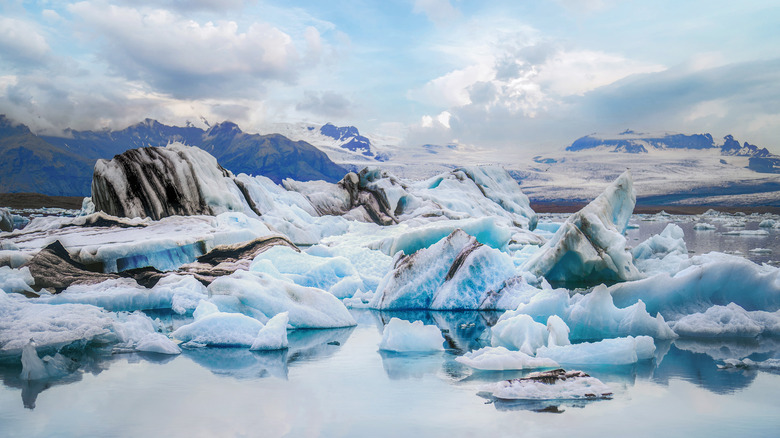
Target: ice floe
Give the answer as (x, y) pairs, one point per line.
(404, 336)
(502, 359)
(550, 385)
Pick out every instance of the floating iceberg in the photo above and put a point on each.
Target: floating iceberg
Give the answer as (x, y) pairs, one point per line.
(403, 336)
(593, 315)
(261, 296)
(590, 245)
(704, 281)
(520, 333)
(455, 273)
(550, 385)
(157, 182)
(274, 335)
(616, 351)
(728, 321)
(662, 252)
(501, 359)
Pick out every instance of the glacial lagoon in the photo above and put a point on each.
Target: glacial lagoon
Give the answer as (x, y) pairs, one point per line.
(335, 382)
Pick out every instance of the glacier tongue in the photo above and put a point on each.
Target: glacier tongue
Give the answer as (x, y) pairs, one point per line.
(590, 246)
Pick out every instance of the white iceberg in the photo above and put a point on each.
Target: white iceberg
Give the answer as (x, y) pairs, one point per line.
(261, 296)
(501, 359)
(616, 351)
(273, 336)
(594, 315)
(403, 336)
(590, 245)
(728, 321)
(519, 333)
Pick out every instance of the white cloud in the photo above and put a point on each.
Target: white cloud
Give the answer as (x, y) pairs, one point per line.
(21, 42)
(188, 58)
(438, 11)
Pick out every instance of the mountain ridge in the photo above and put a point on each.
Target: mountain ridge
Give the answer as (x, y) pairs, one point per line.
(62, 165)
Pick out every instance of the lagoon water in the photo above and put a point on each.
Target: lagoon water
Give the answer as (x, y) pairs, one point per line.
(337, 383)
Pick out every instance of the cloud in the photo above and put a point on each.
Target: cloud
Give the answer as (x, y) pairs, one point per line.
(328, 104)
(22, 43)
(187, 58)
(438, 11)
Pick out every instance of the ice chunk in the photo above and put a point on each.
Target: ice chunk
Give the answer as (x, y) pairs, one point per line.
(220, 329)
(261, 296)
(500, 359)
(6, 220)
(16, 280)
(704, 281)
(590, 245)
(403, 336)
(769, 364)
(594, 315)
(519, 333)
(313, 271)
(157, 343)
(559, 331)
(455, 273)
(728, 321)
(51, 326)
(179, 293)
(704, 226)
(486, 230)
(550, 385)
(616, 351)
(203, 309)
(274, 335)
(35, 368)
(662, 252)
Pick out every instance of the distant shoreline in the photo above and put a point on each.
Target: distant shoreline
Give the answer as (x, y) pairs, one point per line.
(37, 200)
(545, 207)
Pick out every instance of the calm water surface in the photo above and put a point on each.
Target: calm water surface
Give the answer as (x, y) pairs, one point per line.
(337, 383)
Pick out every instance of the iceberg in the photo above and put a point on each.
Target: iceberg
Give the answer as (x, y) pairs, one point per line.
(662, 252)
(593, 315)
(48, 367)
(455, 273)
(261, 296)
(616, 351)
(590, 245)
(728, 321)
(220, 329)
(704, 281)
(157, 182)
(403, 336)
(550, 385)
(520, 333)
(274, 335)
(501, 359)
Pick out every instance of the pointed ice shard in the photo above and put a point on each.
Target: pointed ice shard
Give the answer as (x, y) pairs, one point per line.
(590, 247)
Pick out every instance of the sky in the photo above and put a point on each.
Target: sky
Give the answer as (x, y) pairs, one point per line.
(500, 75)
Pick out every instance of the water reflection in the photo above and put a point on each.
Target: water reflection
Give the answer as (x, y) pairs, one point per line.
(691, 360)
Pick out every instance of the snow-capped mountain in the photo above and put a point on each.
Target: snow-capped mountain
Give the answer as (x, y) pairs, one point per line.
(634, 142)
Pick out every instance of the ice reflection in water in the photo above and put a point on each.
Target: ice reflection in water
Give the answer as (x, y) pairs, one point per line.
(328, 369)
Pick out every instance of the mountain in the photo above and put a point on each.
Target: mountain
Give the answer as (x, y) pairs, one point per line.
(62, 165)
(632, 142)
(628, 141)
(30, 164)
(273, 155)
(349, 137)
